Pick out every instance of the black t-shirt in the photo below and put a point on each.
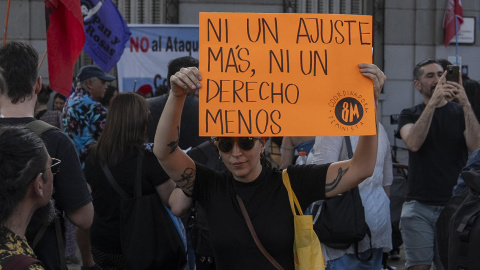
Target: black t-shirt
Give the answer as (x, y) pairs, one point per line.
(70, 187)
(189, 125)
(105, 230)
(433, 170)
(267, 204)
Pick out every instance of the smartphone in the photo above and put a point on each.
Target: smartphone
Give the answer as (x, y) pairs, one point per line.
(453, 73)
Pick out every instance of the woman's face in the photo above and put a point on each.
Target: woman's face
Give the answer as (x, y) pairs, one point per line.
(58, 104)
(244, 164)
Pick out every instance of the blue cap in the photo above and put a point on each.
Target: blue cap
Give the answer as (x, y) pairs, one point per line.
(91, 71)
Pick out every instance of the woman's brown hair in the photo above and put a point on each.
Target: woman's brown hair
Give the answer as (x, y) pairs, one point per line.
(125, 129)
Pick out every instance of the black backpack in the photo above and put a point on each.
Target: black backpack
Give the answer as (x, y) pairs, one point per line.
(464, 227)
(458, 227)
(340, 220)
(149, 237)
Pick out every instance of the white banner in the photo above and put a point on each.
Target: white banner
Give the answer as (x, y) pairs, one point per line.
(150, 49)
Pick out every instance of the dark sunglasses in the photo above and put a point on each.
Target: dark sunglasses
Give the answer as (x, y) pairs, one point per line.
(225, 144)
(55, 167)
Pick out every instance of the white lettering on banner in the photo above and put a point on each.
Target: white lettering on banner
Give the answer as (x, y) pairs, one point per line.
(150, 49)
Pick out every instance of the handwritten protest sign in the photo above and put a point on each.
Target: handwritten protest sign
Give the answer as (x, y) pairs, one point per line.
(285, 75)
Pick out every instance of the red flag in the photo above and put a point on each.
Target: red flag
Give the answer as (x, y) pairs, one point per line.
(65, 39)
(453, 12)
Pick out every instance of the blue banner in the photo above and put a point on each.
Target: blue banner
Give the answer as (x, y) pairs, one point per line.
(106, 32)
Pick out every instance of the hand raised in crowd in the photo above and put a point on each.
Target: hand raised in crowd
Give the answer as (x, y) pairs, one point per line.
(185, 81)
(373, 72)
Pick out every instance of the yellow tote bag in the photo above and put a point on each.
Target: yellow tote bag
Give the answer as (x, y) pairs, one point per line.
(307, 251)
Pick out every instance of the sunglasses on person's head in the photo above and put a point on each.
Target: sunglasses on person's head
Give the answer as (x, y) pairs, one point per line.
(426, 62)
(225, 144)
(55, 166)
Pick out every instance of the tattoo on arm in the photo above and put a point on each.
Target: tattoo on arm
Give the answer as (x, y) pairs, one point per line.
(187, 180)
(173, 144)
(331, 186)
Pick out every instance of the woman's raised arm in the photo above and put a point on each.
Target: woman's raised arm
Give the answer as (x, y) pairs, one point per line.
(344, 175)
(173, 160)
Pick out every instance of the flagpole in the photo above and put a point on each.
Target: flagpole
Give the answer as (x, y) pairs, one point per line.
(6, 23)
(43, 58)
(456, 41)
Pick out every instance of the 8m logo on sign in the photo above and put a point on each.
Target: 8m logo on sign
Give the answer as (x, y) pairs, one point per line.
(349, 111)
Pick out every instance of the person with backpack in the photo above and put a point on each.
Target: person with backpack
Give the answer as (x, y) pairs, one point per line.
(248, 179)
(457, 227)
(26, 177)
(115, 156)
(189, 137)
(71, 196)
(374, 192)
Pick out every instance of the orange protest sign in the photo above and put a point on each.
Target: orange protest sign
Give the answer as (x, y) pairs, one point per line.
(285, 75)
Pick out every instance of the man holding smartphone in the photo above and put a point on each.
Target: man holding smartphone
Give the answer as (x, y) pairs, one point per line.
(439, 134)
(453, 73)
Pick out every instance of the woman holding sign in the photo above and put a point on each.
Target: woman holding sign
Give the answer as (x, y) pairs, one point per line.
(259, 187)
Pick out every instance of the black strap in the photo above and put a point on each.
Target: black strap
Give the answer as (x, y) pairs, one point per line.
(138, 179)
(467, 221)
(348, 142)
(369, 234)
(349, 146)
(138, 176)
(40, 114)
(39, 127)
(20, 262)
(60, 244)
(254, 235)
(39, 236)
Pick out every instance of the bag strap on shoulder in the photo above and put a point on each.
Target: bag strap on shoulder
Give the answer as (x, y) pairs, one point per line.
(60, 241)
(60, 244)
(254, 235)
(291, 195)
(138, 176)
(39, 236)
(138, 179)
(348, 142)
(39, 127)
